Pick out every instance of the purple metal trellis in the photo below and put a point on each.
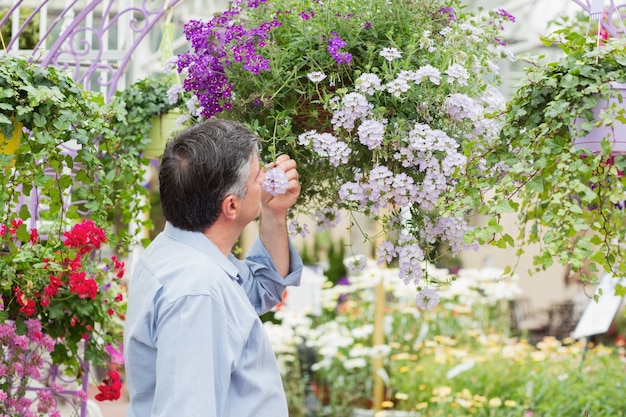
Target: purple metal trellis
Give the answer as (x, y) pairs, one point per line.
(78, 40)
(59, 385)
(611, 18)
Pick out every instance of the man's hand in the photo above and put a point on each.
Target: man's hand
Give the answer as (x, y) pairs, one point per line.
(273, 229)
(277, 205)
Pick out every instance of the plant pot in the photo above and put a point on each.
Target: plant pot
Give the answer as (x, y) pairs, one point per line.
(9, 146)
(163, 125)
(615, 134)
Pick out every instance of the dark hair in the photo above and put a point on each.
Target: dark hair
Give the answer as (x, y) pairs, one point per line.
(202, 165)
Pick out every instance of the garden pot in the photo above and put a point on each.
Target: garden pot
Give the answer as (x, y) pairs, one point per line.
(615, 134)
(9, 146)
(163, 125)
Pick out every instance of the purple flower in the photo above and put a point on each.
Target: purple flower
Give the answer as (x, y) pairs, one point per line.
(449, 11)
(368, 25)
(508, 16)
(275, 181)
(334, 45)
(216, 45)
(307, 15)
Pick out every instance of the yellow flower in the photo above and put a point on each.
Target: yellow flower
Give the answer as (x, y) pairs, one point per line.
(442, 391)
(495, 402)
(402, 396)
(387, 404)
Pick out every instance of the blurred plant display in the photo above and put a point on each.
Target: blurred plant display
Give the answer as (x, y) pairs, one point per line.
(458, 359)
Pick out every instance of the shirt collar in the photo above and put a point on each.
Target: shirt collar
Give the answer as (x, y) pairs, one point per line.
(204, 245)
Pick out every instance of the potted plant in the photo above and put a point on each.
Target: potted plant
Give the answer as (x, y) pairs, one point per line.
(154, 110)
(382, 104)
(65, 189)
(568, 194)
(65, 303)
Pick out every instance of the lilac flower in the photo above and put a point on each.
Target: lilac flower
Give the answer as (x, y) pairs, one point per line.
(327, 218)
(326, 145)
(493, 99)
(461, 106)
(295, 228)
(390, 54)
(404, 189)
(453, 230)
(410, 258)
(173, 93)
(316, 76)
(427, 71)
(458, 73)
(356, 263)
(400, 84)
(275, 182)
(368, 83)
(378, 188)
(427, 299)
(367, 25)
(352, 192)
(385, 252)
(371, 133)
(354, 106)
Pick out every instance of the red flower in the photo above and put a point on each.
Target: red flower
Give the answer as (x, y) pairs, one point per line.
(16, 223)
(111, 387)
(53, 287)
(29, 307)
(82, 286)
(34, 236)
(119, 267)
(85, 236)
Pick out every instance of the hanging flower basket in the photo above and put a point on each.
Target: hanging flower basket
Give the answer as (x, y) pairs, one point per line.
(9, 146)
(615, 133)
(163, 125)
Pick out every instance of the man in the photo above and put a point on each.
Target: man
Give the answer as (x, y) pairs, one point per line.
(194, 344)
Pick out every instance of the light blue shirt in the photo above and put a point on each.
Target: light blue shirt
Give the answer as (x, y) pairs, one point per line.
(193, 342)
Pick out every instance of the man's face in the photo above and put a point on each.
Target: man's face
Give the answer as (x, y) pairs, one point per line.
(251, 204)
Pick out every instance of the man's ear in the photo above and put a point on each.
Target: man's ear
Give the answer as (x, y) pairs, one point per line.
(230, 206)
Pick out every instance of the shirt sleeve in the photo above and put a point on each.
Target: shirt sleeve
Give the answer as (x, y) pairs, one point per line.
(189, 380)
(260, 279)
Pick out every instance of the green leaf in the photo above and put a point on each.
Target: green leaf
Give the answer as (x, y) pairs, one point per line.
(22, 232)
(504, 206)
(20, 327)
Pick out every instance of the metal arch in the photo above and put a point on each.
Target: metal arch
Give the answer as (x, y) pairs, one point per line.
(613, 13)
(65, 51)
(82, 43)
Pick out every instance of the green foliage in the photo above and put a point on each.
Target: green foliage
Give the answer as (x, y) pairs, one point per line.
(71, 165)
(68, 149)
(568, 199)
(141, 101)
